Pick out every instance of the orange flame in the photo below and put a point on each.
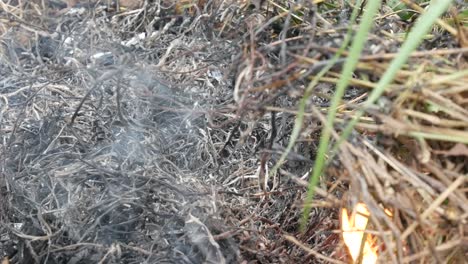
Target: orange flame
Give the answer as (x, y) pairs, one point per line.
(353, 232)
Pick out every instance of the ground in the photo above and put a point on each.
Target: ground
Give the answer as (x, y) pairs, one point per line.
(150, 131)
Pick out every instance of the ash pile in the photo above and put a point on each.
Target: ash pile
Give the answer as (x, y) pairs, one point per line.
(106, 151)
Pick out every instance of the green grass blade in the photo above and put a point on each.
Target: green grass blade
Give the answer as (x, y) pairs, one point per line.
(416, 35)
(308, 92)
(348, 68)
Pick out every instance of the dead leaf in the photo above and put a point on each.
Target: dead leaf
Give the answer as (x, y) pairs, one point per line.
(459, 149)
(130, 4)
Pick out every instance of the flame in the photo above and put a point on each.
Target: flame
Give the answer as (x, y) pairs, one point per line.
(353, 232)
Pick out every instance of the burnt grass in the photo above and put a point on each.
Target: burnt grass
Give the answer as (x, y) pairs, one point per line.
(140, 135)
